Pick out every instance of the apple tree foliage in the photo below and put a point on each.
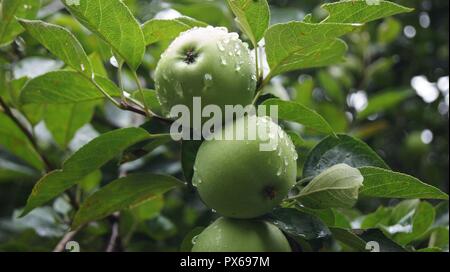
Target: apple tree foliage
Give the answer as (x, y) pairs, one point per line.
(81, 153)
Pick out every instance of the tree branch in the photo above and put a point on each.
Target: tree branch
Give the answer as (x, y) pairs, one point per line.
(127, 107)
(114, 242)
(61, 246)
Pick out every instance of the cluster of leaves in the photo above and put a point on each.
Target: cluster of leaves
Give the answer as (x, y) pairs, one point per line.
(123, 173)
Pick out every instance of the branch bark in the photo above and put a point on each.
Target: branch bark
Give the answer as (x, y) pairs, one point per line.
(114, 242)
(61, 246)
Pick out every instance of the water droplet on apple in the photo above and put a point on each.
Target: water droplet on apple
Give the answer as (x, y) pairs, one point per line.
(220, 46)
(179, 89)
(223, 61)
(223, 29)
(234, 36)
(279, 171)
(194, 239)
(207, 81)
(165, 77)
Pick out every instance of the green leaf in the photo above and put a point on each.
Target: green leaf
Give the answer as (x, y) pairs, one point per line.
(403, 210)
(389, 30)
(349, 238)
(331, 87)
(91, 181)
(384, 101)
(295, 112)
(340, 220)
(65, 87)
(359, 11)
(113, 22)
(298, 45)
(388, 184)
(304, 91)
(343, 149)
(89, 158)
(15, 86)
(440, 238)
(377, 219)
(421, 222)
(431, 249)
(9, 27)
(33, 113)
(326, 215)
(62, 43)
(298, 224)
(211, 12)
(336, 187)
(123, 193)
(359, 239)
(97, 64)
(141, 149)
(63, 120)
(149, 209)
(157, 30)
(14, 140)
(151, 99)
(252, 16)
(386, 244)
(331, 217)
(186, 245)
(442, 215)
(296, 139)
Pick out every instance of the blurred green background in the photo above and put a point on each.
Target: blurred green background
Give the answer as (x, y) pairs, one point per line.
(392, 92)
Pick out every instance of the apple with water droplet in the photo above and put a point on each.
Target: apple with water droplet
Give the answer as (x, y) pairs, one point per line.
(206, 62)
(246, 178)
(235, 235)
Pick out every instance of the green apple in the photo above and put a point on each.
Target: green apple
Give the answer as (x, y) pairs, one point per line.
(206, 62)
(236, 235)
(246, 178)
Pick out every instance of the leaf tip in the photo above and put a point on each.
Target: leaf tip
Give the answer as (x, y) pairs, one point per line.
(25, 211)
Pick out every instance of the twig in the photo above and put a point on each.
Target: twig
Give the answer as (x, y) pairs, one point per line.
(61, 246)
(105, 93)
(114, 242)
(141, 91)
(260, 87)
(127, 107)
(257, 60)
